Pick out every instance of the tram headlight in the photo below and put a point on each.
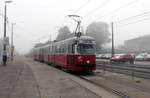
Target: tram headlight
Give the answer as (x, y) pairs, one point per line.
(88, 61)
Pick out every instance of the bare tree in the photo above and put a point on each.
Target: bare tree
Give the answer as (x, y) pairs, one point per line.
(64, 33)
(99, 30)
(38, 45)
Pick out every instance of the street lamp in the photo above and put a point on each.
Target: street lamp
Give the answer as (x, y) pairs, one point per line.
(4, 49)
(12, 46)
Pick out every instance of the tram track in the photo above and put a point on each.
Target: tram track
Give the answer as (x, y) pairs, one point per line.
(125, 83)
(108, 89)
(127, 69)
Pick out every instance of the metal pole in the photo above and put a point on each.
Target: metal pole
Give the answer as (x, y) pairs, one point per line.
(104, 67)
(4, 49)
(112, 51)
(133, 72)
(12, 46)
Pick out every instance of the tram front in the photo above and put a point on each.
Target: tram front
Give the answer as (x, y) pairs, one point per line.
(85, 54)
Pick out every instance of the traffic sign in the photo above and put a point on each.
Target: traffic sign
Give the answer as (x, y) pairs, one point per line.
(6, 40)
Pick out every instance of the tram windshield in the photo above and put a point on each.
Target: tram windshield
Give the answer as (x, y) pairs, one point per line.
(86, 49)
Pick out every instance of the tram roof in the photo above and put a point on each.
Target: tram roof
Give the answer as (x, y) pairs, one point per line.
(73, 38)
(68, 39)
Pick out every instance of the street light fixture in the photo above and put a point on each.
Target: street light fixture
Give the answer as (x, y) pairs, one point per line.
(4, 49)
(8, 1)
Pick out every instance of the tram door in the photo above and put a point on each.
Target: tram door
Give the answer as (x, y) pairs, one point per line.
(71, 55)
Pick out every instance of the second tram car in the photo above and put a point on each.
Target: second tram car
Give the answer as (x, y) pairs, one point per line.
(75, 54)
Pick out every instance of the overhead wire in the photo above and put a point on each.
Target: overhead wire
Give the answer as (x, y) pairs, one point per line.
(82, 6)
(114, 11)
(132, 17)
(98, 7)
(134, 22)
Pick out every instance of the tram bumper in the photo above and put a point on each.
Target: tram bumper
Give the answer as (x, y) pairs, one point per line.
(86, 67)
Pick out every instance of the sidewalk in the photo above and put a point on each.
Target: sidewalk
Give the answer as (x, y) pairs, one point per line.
(17, 81)
(23, 78)
(55, 83)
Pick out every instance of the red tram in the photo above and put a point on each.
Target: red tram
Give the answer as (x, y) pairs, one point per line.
(76, 54)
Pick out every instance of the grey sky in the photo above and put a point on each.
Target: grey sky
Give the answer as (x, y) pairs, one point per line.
(36, 19)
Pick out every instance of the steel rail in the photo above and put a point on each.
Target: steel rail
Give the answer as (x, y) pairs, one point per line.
(133, 72)
(122, 95)
(125, 65)
(129, 69)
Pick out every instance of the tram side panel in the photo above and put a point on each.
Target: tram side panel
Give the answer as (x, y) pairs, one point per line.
(71, 62)
(61, 60)
(46, 58)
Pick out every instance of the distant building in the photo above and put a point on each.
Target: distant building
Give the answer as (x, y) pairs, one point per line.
(139, 44)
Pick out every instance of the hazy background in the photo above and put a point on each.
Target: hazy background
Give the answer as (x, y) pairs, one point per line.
(36, 20)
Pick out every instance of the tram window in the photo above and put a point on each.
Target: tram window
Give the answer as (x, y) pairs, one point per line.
(86, 49)
(47, 50)
(71, 49)
(62, 49)
(59, 50)
(40, 52)
(55, 51)
(51, 50)
(65, 49)
(44, 51)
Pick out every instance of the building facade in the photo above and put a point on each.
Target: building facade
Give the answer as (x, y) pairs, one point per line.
(139, 44)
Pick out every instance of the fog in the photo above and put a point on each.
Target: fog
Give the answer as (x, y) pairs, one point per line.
(37, 20)
(99, 31)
